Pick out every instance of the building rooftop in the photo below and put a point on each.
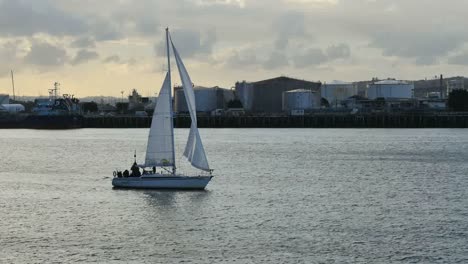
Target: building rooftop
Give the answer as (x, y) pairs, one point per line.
(337, 82)
(389, 82)
(283, 78)
(300, 91)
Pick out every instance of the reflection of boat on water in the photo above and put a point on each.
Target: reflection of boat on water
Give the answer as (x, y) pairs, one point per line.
(160, 152)
(55, 112)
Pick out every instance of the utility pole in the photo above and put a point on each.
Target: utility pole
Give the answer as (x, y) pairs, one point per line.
(121, 102)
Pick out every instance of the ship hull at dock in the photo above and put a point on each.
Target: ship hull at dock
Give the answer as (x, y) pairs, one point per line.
(53, 122)
(156, 181)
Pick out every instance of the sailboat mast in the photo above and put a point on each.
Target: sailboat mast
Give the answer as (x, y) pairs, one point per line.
(170, 98)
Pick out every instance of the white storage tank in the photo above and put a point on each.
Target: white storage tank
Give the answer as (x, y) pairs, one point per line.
(300, 99)
(338, 91)
(12, 108)
(245, 93)
(4, 99)
(206, 99)
(390, 89)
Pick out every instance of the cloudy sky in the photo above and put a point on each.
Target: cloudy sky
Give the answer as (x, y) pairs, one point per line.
(108, 46)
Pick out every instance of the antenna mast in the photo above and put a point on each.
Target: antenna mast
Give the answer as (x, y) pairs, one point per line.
(13, 85)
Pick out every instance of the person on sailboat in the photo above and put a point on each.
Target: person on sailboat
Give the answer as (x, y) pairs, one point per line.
(135, 170)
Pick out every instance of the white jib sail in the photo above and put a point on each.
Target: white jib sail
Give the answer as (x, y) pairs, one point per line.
(194, 150)
(160, 150)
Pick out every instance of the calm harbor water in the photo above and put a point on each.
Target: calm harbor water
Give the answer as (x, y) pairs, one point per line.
(278, 196)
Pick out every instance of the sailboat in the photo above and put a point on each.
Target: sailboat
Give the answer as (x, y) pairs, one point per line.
(160, 152)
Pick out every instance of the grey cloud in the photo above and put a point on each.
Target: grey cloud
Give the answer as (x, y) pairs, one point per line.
(424, 47)
(276, 60)
(54, 17)
(136, 21)
(189, 43)
(426, 60)
(45, 54)
(25, 18)
(83, 42)
(132, 61)
(340, 51)
(312, 56)
(241, 59)
(147, 26)
(288, 26)
(9, 50)
(115, 59)
(423, 31)
(459, 59)
(9, 55)
(112, 59)
(84, 56)
(104, 30)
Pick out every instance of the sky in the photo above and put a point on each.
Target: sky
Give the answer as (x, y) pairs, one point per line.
(108, 46)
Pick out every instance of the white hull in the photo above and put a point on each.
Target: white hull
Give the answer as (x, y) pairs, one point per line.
(163, 182)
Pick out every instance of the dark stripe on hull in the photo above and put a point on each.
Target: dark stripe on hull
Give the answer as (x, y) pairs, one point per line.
(185, 183)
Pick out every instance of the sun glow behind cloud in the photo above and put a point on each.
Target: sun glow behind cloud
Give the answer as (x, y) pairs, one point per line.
(330, 2)
(239, 3)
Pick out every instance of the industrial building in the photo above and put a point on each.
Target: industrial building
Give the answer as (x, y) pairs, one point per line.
(430, 88)
(300, 101)
(136, 102)
(457, 83)
(4, 99)
(267, 96)
(207, 99)
(390, 89)
(337, 91)
(5, 105)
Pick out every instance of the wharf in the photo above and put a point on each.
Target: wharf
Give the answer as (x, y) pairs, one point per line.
(321, 120)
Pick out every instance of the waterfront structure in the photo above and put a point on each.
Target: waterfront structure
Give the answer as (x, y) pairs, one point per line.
(457, 83)
(207, 99)
(390, 89)
(56, 105)
(300, 100)
(106, 109)
(267, 96)
(357, 103)
(431, 87)
(4, 99)
(361, 87)
(337, 91)
(136, 102)
(433, 104)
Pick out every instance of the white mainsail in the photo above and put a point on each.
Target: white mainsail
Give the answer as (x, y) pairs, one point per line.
(160, 150)
(194, 150)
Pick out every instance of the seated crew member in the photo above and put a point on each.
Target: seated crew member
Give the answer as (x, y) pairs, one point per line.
(135, 170)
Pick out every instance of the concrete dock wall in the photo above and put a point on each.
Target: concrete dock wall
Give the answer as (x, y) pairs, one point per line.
(445, 120)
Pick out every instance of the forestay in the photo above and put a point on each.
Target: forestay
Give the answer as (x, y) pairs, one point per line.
(160, 150)
(194, 150)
